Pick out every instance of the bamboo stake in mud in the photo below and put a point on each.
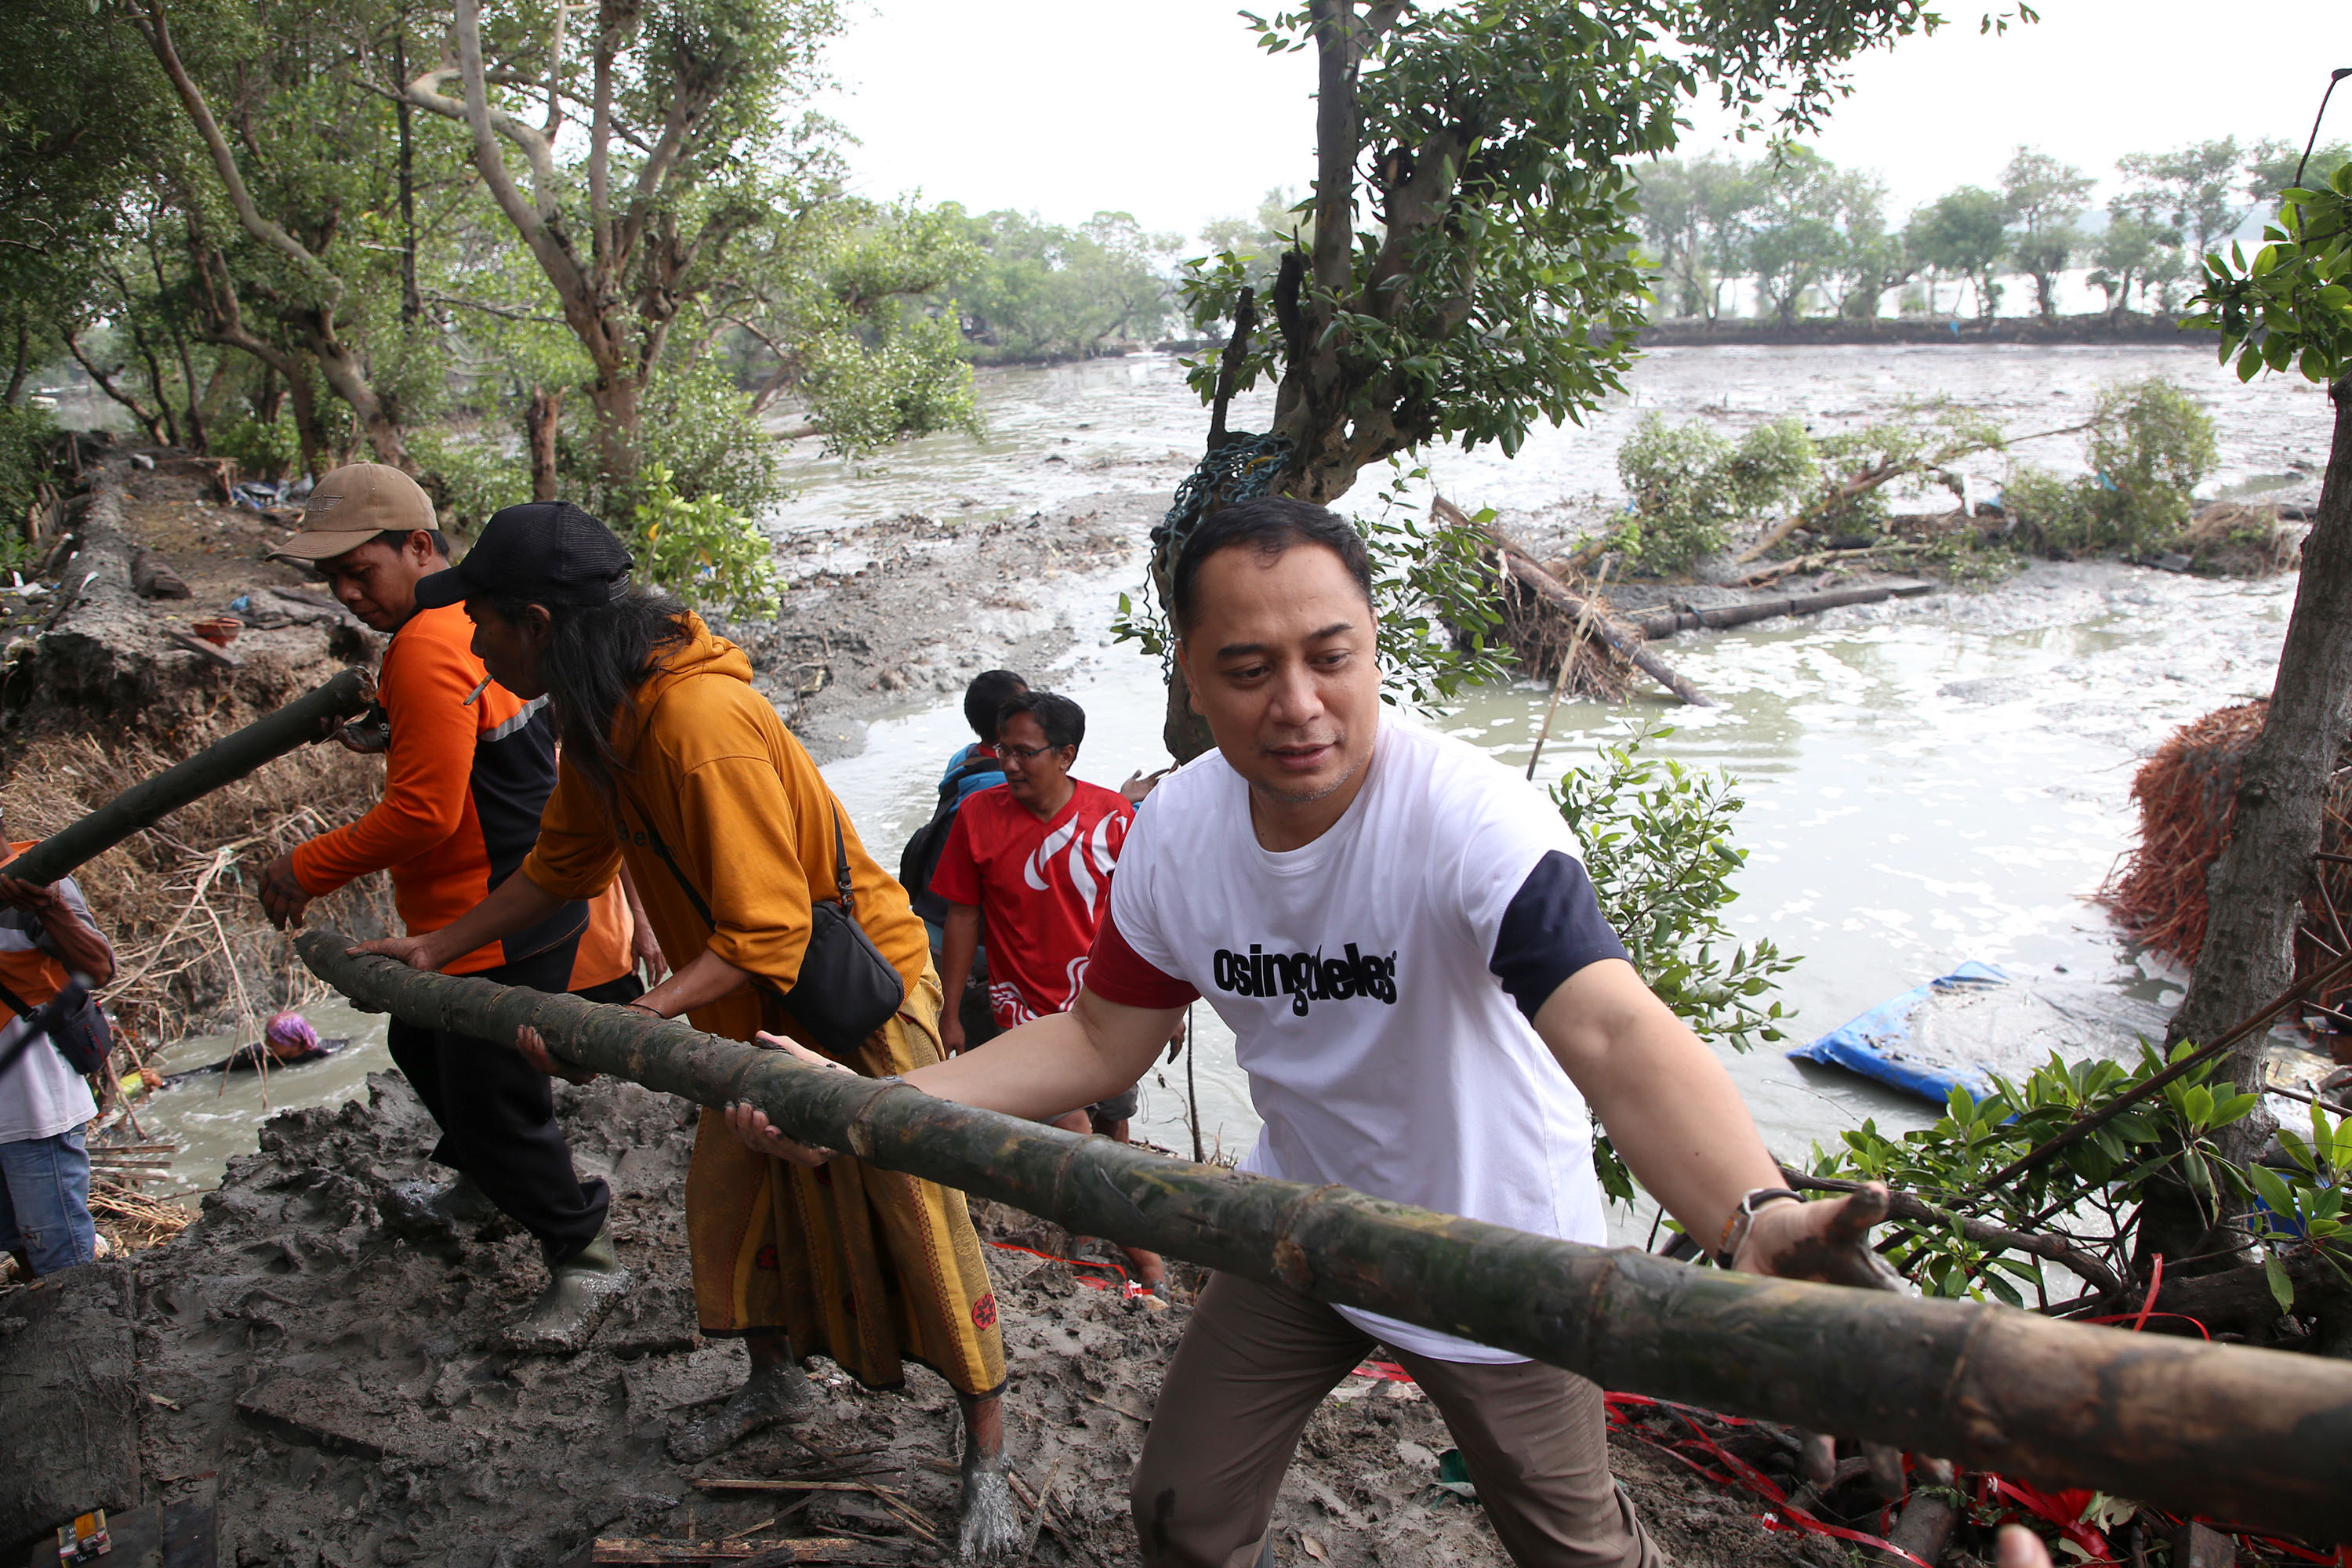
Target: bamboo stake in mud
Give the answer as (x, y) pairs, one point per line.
(309, 717)
(2253, 1434)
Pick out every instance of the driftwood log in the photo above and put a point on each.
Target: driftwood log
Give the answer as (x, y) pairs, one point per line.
(1657, 624)
(309, 717)
(2253, 1434)
(1530, 575)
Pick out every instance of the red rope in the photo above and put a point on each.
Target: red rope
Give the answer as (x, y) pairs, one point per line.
(2154, 1283)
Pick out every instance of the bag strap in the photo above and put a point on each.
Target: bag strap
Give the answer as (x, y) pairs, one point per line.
(693, 896)
(702, 908)
(952, 786)
(840, 866)
(33, 1025)
(16, 1003)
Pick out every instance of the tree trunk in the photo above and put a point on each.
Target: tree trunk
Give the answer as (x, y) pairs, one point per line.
(310, 718)
(2257, 887)
(24, 354)
(2250, 1435)
(306, 422)
(1184, 733)
(104, 381)
(341, 368)
(540, 420)
(614, 398)
(412, 302)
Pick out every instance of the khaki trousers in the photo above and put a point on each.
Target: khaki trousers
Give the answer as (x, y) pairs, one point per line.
(1254, 1362)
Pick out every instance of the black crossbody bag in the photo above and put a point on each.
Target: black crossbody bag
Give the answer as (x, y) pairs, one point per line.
(73, 1021)
(846, 989)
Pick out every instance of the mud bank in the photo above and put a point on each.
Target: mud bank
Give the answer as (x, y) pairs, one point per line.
(345, 1392)
(904, 612)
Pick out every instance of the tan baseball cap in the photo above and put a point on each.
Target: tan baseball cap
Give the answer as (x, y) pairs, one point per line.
(353, 504)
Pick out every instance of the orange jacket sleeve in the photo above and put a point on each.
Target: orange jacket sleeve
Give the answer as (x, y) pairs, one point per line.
(428, 771)
(576, 856)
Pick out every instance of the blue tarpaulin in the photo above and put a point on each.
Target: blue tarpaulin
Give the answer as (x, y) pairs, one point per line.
(1876, 1045)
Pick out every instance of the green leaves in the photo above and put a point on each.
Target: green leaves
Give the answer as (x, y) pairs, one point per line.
(2289, 305)
(1657, 837)
(2282, 1288)
(702, 551)
(1691, 487)
(2091, 1193)
(2148, 446)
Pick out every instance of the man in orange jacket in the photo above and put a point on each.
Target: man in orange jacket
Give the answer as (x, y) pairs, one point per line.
(468, 767)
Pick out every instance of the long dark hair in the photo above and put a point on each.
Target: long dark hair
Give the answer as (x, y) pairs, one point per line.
(594, 658)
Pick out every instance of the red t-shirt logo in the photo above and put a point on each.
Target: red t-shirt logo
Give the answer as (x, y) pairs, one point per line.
(1042, 889)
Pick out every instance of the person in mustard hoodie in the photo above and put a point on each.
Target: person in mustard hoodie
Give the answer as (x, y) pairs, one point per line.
(675, 767)
(468, 766)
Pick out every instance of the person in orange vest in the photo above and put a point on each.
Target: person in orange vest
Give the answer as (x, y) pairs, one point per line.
(617, 943)
(469, 766)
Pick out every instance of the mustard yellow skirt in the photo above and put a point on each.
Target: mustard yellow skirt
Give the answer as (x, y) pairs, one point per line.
(870, 1268)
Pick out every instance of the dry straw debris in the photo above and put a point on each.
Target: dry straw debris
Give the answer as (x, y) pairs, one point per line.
(177, 900)
(2232, 539)
(1541, 635)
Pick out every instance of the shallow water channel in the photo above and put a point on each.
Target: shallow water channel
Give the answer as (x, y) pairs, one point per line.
(1926, 782)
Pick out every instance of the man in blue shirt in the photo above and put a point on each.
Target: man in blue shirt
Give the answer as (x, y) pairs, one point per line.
(990, 690)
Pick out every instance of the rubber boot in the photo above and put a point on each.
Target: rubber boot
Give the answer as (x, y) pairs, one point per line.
(580, 1289)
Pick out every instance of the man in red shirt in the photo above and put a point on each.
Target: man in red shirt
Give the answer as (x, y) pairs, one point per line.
(1030, 861)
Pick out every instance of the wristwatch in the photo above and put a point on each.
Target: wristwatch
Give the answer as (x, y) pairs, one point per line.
(1743, 1217)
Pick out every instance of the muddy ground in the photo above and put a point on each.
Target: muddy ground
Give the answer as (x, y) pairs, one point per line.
(877, 616)
(891, 614)
(345, 1392)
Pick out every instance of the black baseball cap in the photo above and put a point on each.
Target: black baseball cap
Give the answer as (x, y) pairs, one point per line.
(544, 551)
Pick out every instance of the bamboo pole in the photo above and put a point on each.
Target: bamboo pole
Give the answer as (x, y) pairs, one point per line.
(309, 717)
(2253, 1434)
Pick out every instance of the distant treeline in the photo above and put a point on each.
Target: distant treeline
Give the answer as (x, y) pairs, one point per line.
(1814, 240)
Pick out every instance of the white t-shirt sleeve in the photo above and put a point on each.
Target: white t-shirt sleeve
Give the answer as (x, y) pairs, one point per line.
(1135, 906)
(1529, 907)
(1512, 828)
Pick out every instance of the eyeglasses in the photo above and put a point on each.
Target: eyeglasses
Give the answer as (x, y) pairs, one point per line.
(1027, 753)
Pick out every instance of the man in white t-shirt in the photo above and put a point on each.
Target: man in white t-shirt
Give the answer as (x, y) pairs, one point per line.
(1425, 995)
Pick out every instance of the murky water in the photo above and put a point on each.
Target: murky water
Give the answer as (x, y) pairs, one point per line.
(1926, 782)
(215, 1117)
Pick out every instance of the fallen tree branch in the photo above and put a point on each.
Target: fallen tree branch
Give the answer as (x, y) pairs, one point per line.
(1660, 624)
(2251, 1435)
(1524, 568)
(1846, 491)
(1909, 1207)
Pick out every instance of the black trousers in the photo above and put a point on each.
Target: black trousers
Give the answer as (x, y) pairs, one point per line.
(497, 1115)
(618, 991)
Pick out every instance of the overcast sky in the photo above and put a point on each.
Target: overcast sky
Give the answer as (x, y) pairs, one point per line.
(1167, 110)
